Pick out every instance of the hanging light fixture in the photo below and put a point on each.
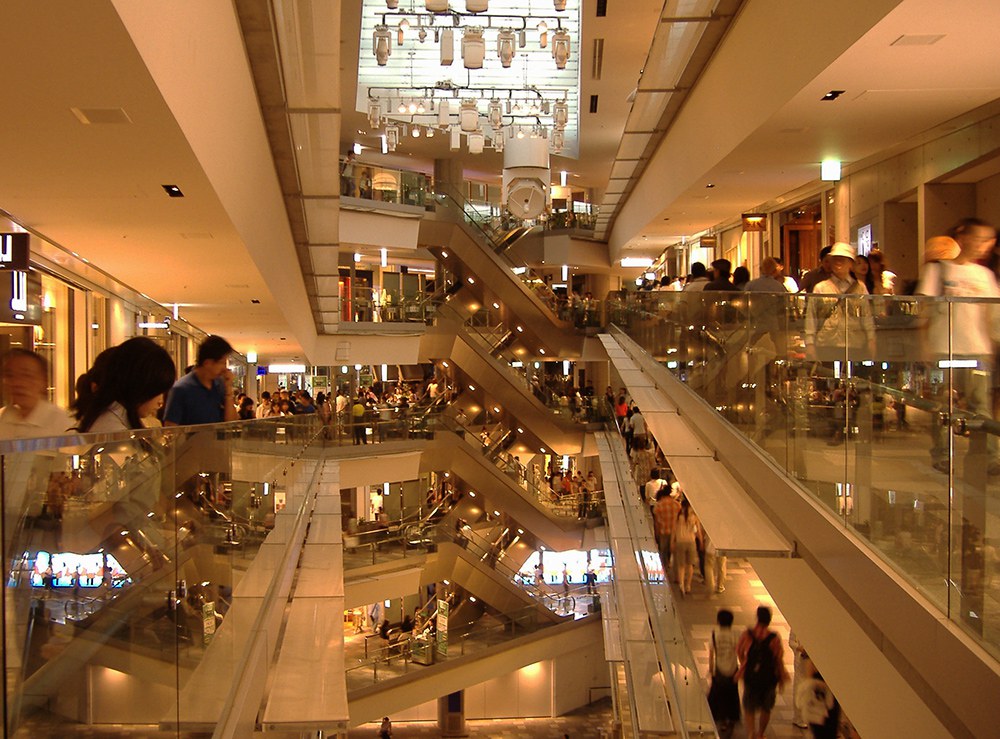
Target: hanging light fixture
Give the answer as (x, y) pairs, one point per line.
(421, 108)
(381, 44)
(391, 136)
(505, 46)
(400, 30)
(392, 4)
(498, 137)
(558, 141)
(560, 115)
(559, 4)
(543, 34)
(469, 116)
(477, 6)
(495, 114)
(402, 107)
(436, 6)
(456, 138)
(473, 47)
(415, 132)
(447, 47)
(444, 112)
(430, 132)
(476, 142)
(374, 113)
(411, 108)
(560, 48)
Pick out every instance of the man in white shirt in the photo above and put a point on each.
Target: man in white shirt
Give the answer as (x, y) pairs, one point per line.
(964, 329)
(27, 415)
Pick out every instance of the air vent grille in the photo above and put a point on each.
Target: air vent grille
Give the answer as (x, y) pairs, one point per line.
(593, 103)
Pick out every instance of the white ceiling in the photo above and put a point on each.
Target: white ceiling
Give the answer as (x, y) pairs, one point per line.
(96, 189)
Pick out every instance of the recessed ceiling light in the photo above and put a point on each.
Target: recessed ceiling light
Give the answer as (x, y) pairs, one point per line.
(255, 301)
(833, 95)
(173, 191)
(710, 185)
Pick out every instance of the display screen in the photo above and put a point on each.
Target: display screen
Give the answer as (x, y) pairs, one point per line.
(66, 569)
(90, 569)
(64, 566)
(38, 572)
(118, 575)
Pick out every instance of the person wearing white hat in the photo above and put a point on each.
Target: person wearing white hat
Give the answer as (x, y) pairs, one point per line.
(840, 329)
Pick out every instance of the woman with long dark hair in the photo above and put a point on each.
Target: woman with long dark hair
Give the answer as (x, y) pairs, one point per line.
(129, 387)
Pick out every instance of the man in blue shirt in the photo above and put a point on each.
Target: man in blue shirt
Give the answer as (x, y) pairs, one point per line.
(205, 394)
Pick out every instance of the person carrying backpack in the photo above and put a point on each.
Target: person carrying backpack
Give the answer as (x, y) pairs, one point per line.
(762, 671)
(723, 695)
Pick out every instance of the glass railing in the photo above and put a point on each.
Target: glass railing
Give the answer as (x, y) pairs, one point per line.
(573, 220)
(401, 654)
(127, 556)
(375, 305)
(383, 184)
(882, 407)
(652, 635)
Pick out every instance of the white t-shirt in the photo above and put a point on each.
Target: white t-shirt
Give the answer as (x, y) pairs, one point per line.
(44, 420)
(967, 328)
(638, 424)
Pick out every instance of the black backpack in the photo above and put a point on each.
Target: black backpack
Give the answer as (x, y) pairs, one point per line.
(760, 673)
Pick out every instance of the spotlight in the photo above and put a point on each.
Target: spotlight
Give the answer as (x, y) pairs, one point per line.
(382, 44)
(560, 47)
(415, 132)
(505, 46)
(473, 48)
(402, 107)
(411, 108)
(421, 108)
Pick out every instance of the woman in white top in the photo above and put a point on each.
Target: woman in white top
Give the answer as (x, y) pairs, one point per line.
(684, 542)
(129, 387)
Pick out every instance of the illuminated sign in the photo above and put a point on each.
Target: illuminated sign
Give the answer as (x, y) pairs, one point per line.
(14, 251)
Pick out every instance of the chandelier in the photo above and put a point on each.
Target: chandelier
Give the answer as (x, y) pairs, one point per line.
(472, 69)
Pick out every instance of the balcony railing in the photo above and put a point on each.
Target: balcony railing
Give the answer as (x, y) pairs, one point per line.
(882, 407)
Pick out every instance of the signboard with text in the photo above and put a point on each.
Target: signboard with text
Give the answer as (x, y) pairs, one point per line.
(20, 297)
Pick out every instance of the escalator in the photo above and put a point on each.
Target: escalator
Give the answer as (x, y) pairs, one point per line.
(469, 250)
(501, 485)
(496, 644)
(494, 374)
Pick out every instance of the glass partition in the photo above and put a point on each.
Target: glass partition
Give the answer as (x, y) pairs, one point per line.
(882, 407)
(383, 184)
(136, 566)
